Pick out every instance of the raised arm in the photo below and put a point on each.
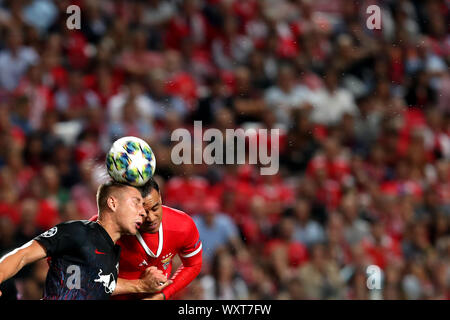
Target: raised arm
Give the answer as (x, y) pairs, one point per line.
(12, 262)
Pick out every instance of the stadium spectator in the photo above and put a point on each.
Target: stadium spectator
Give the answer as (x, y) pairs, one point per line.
(306, 230)
(15, 60)
(285, 252)
(216, 230)
(320, 277)
(287, 95)
(223, 283)
(331, 102)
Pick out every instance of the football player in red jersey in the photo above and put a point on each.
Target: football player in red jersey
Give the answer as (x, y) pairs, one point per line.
(164, 233)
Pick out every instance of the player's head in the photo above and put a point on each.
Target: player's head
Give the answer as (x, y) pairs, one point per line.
(153, 207)
(123, 204)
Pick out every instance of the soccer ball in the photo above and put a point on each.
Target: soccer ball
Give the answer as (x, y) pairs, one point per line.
(130, 160)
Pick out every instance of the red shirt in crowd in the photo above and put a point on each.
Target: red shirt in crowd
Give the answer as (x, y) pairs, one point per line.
(296, 251)
(384, 252)
(186, 192)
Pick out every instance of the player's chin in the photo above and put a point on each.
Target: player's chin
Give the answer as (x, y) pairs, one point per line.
(149, 227)
(153, 228)
(134, 228)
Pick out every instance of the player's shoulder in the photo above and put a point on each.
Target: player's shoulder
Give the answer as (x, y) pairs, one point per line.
(76, 225)
(175, 213)
(176, 217)
(75, 230)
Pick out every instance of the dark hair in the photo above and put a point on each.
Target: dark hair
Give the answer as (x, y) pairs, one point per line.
(147, 188)
(105, 190)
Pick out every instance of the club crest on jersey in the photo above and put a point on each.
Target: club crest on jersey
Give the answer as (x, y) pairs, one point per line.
(166, 260)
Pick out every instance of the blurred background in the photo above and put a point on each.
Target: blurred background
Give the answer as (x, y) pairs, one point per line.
(364, 119)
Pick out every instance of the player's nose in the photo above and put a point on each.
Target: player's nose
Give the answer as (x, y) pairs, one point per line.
(142, 212)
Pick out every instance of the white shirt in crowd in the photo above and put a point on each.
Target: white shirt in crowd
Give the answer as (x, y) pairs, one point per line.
(329, 107)
(144, 106)
(283, 102)
(13, 67)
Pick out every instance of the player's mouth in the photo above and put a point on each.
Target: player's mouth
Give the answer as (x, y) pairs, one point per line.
(150, 226)
(153, 225)
(138, 224)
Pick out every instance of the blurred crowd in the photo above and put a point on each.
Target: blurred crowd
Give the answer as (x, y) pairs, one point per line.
(363, 118)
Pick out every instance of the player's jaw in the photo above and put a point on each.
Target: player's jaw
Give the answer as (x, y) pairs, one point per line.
(135, 225)
(150, 227)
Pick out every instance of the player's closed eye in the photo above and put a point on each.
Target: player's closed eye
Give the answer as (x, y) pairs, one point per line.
(137, 202)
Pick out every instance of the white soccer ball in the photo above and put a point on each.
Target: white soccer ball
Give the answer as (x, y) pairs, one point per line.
(130, 160)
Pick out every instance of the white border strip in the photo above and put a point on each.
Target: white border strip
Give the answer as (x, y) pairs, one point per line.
(146, 248)
(192, 253)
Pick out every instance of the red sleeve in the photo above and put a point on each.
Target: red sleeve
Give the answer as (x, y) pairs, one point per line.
(191, 257)
(94, 218)
(182, 277)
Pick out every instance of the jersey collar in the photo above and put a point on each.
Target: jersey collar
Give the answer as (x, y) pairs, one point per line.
(105, 234)
(146, 248)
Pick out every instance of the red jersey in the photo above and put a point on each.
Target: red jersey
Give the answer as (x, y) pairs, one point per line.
(177, 235)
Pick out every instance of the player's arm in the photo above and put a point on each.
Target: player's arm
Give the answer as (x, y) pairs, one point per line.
(14, 261)
(184, 275)
(153, 280)
(191, 258)
(50, 243)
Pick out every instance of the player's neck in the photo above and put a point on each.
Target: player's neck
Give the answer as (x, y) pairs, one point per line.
(110, 228)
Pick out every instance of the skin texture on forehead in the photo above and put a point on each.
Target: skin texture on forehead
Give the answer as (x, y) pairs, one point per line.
(151, 199)
(124, 193)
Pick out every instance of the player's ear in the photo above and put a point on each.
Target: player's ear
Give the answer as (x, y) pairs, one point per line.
(112, 203)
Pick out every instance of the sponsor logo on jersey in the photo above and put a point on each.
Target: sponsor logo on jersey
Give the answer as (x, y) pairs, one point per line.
(143, 263)
(107, 280)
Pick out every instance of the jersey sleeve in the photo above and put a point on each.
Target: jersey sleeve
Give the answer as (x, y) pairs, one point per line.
(60, 238)
(191, 257)
(191, 251)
